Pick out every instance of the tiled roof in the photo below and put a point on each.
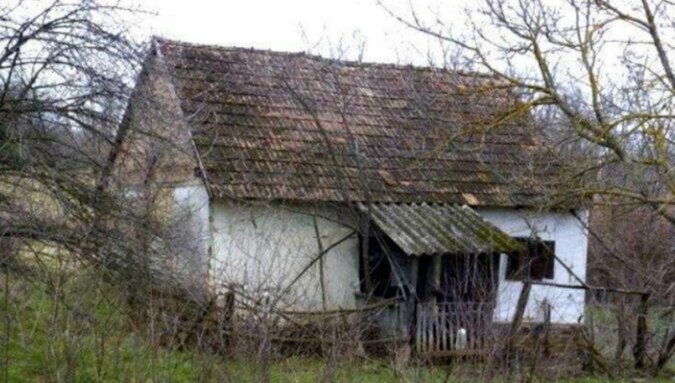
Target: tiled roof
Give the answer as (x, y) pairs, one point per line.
(270, 125)
(429, 229)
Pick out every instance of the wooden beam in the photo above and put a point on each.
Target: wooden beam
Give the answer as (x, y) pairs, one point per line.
(588, 287)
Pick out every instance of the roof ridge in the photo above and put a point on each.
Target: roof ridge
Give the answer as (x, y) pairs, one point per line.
(349, 63)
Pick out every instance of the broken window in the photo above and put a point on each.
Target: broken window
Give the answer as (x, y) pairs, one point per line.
(534, 262)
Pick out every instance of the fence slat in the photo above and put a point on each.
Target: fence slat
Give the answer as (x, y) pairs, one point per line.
(438, 326)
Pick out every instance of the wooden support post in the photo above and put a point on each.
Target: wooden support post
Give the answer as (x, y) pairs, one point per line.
(517, 319)
(547, 328)
(414, 271)
(436, 273)
(520, 308)
(411, 302)
(365, 258)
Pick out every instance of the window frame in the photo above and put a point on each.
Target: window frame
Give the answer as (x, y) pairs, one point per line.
(539, 253)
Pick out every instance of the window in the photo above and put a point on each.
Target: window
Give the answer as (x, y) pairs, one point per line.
(535, 262)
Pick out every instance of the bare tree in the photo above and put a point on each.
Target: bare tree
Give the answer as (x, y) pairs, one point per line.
(67, 72)
(562, 58)
(598, 75)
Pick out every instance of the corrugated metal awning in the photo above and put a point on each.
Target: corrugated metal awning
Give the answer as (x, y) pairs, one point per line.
(426, 229)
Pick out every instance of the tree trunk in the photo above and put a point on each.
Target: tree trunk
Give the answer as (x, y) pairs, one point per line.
(640, 348)
(621, 332)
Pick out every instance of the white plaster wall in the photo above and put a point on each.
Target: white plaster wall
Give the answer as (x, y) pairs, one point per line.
(571, 243)
(262, 248)
(188, 238)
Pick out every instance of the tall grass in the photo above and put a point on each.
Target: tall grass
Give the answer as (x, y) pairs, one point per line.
(72, 328)
(67, 324)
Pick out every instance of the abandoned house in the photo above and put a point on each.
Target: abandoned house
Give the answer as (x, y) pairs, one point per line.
(328, 184)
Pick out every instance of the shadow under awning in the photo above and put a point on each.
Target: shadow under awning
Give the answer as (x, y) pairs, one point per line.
(428, 229)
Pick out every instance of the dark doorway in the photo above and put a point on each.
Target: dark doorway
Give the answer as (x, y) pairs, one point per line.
(386, 265)
(424, 288)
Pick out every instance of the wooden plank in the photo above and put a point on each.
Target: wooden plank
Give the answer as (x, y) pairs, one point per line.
(432, 328)
(437, 328)
(451, 338)
(426, 328)
(452, 353)
(444, 323)
(451, 327)
(438, 325)
(425, 333)
(418, 330)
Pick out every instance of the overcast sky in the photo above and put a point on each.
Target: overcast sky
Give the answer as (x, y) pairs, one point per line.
(279, 25)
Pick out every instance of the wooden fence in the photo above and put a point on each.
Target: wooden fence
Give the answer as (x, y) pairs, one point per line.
(446, 329)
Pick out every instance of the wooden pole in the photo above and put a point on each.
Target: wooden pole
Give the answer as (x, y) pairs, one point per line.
(436, 273)
(587, 287)
(517, 318)
(520, 307)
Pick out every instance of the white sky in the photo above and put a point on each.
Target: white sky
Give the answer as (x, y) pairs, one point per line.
(278, 25)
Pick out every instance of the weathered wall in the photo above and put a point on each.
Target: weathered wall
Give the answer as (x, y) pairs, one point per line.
(571, 244)
(187, 236)
(262, 248)
(158, 147)
(156, 170)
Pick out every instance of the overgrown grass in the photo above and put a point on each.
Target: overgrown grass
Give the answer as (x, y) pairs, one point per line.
(604, 323)
(68, 326)
(73, 329)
